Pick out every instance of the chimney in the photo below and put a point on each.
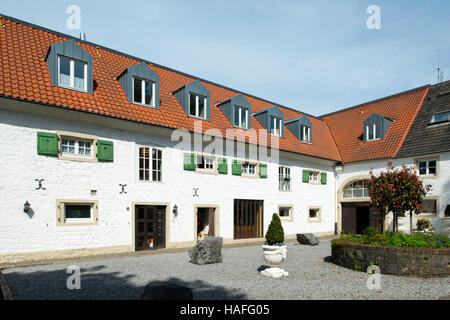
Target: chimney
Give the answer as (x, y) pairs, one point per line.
(83, 36)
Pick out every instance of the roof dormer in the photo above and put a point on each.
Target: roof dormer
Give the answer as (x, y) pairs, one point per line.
(141, 85)
(70, 66)
(375, 127)
(238, 110)
(272, 119)
(301, 127)
(195, 100)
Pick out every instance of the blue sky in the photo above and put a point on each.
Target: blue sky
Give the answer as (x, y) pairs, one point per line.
(314, 56)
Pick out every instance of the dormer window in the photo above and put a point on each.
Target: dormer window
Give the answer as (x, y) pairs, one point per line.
(144, 92)
(440, 118)
(276, 127)
(373, 132)
(240, 117)
(305, 133)
(72, 73)
(197, 105)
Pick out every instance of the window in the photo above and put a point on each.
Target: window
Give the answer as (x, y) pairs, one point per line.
(427, 167)
(373, 132)
(440, 118)
(430, 206)
(72, 73)
(285, 212)
(70, 146)
(447, 211)
(75, 212)
(240, 117)
(284, 174)
(357, 189)
(150, 164)
(197, 106)
(249, 168)
(276, 127)
(314, 176)
(206, 163)
(144, 92)
(305, 133)
(314, 214)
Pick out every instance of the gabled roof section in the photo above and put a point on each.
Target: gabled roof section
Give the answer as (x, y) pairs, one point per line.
(347, 126)
(424, 137)
(24, 76)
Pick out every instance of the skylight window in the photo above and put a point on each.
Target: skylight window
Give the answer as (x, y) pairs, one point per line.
(441, 117)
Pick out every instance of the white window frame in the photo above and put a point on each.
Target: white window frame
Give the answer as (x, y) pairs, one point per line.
(240, 117)
(276, 132)
(311, 174)
(72, 74)
(306, 133)
(318, 218)
(143, 82)
(209, 159)
(61, 219)
(77, 147)
(374, 133)
(197, 105)
(291, 212)
(246, 168)
(433, 118)
(150, 168)
(427, 168)
(283, 185)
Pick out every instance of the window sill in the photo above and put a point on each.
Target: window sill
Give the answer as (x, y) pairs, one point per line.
(250, 176)
(77, 158)
(77, 224)
(205, 171)
(199, 118)
(73, 89)
(144, 105)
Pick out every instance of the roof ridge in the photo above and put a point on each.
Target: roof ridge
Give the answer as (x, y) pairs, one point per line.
(376, 100)
(147, 61)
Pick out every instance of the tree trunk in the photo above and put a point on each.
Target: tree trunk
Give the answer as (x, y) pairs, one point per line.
(410, 223)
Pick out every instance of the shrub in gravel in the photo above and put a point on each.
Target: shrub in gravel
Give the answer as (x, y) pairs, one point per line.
(275, 233)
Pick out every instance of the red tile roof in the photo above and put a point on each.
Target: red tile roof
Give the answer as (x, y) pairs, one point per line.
(24, 75)
(347, 126)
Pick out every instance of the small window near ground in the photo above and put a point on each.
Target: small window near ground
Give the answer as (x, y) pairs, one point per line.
(197, 106)
(429, 206)
(314, 214)
(71, 212)
(285, 212)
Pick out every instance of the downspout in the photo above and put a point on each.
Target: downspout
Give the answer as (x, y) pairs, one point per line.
(338, 171)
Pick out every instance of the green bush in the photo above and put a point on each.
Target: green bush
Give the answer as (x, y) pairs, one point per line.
(423, 224)
(397, 239)
(275, 233)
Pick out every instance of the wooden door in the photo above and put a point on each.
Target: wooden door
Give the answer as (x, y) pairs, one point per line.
(248, 219)
(150, 227)
(348, 218)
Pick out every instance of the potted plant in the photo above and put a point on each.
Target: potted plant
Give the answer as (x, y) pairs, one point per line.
(274, 249)
(423, 225)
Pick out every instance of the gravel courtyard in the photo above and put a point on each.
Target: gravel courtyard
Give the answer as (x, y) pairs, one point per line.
(311, 276)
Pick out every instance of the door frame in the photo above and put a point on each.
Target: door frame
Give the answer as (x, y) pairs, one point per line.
(216, 218)
(133, 221)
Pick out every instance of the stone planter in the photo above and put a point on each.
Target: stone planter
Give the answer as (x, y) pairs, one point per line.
(274, 256)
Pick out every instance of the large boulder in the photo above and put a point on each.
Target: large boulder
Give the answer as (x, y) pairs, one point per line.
(207, 251)
(308, 239)
(160, 290)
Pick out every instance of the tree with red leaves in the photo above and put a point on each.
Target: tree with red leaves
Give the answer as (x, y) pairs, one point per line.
(397, 191)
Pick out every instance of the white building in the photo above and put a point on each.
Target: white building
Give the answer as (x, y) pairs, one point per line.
(93, 162)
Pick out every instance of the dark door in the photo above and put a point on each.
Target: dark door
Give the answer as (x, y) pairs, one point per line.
(248, 219)
(362, 219)
(150, 227)
(357, 216)
(348, 218)
(376, 220)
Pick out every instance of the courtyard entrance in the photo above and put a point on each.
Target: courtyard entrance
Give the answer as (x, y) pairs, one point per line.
(357, 216)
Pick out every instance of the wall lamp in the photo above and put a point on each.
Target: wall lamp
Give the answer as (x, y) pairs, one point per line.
(175, 209)
(26, 207)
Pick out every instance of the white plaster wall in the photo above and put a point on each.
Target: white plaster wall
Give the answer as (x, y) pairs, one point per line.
(21, 165)
(440, 185)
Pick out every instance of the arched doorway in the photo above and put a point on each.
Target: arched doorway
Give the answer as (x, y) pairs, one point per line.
(356, 212)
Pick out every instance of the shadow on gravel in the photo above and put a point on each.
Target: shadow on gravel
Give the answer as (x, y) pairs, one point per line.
(95, 285)
(327, 259)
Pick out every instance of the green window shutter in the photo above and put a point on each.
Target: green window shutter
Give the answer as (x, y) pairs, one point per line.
(105, 151)
(236, 167)
(305, 176)
(263, 170)
(189, 162)
(47, 144)
(324, 177)
(223, 166)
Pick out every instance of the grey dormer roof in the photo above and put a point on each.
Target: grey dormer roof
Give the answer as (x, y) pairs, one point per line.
(227, 108)
(265, 116)
(383, 122)
(144, 72)
(69, 49)
(195, 87)
(294, 126)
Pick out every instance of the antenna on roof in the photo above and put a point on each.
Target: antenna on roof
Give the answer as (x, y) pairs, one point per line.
(440, 74)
